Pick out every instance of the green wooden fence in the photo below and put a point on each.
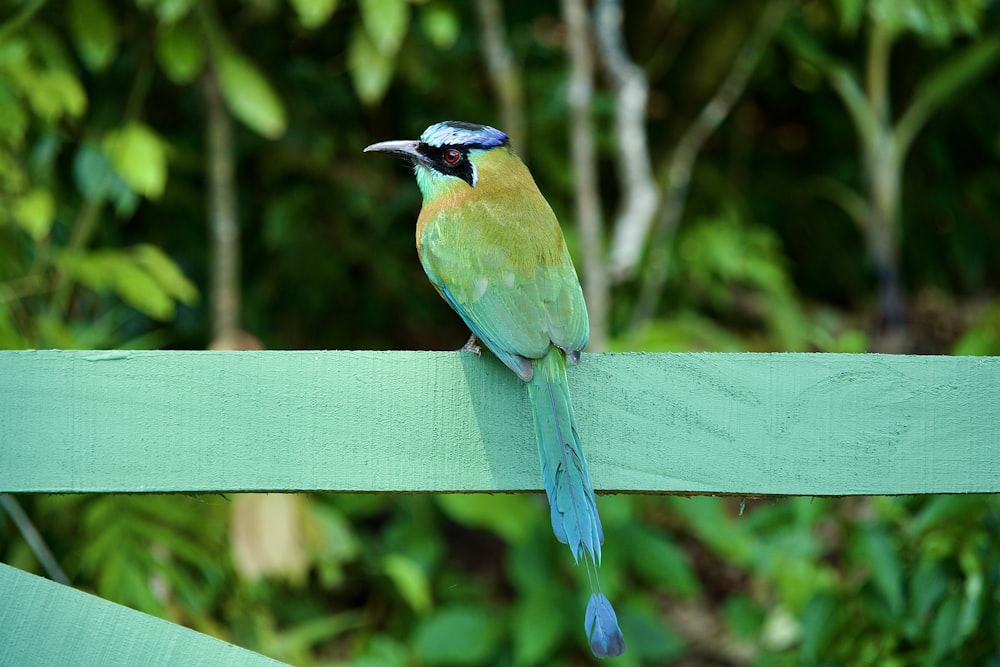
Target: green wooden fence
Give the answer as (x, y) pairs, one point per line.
(750, 424)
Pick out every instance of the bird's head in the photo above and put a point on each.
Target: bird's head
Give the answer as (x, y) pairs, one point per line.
(446, 152)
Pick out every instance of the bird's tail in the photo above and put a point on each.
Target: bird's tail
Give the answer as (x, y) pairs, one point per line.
(572, 504)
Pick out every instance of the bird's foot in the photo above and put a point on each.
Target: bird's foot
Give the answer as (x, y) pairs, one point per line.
(472, 346)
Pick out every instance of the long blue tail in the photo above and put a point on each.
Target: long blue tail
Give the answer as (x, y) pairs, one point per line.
(572, 505)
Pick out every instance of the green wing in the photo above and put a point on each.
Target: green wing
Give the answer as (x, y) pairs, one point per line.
(511, 281)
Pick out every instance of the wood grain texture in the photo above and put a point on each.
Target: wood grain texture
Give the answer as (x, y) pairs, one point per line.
(801, 424)
(45, 623)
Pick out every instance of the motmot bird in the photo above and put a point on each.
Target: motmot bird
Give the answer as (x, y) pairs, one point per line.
(493, 249)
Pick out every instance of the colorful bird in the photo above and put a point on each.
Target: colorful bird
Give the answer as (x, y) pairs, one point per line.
(492, 247)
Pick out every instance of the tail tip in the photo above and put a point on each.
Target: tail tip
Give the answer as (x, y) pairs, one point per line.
(606, 639)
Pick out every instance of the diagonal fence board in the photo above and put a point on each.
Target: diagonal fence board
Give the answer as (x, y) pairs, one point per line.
(799, 424)
(45, 623)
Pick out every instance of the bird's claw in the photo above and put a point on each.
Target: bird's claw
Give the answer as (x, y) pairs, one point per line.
(472, 345)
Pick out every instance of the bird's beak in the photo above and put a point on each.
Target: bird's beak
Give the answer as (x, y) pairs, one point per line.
(404, 149)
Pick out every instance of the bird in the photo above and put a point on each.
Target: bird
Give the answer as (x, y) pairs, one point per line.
(493, 249)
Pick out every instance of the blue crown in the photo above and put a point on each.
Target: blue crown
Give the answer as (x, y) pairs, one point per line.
(457, 133)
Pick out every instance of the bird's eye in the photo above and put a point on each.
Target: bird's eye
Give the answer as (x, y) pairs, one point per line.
(452, 156)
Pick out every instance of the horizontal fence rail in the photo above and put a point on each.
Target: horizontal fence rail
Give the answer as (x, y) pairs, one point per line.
(788, 424)
(138, 422)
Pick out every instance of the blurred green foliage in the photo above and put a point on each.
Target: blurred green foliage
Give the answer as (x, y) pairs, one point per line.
(103, 243)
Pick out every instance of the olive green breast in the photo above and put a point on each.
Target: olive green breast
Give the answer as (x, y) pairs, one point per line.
(498, 256)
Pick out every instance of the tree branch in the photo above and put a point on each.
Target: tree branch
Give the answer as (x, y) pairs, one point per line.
(504, 76)
(224, 230)
(34, 539)
(640, 196)
(942, 84)
(22, 16)
(686, 152)
(588, 204)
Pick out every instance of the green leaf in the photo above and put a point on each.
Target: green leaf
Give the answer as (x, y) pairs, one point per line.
(661, 562)
(650, 640)
(385, 21)
(166, 273)
(530, 564)
(95, 32)
(539, 623)
(371, 71)
(314, 13)
(140, 158)
(805, 45)
(10, 337)
(680, 333)
(56, 93)
(381, 651)
(875, 549)
(13, 119)
(410, 580)
(249, 95)
(88, 268)
(440, 24)
(307, 636)
(983, 337)
(937, 20)
(817, 626)
(131, 539)
(97, 180)
(928, 584)
(180, 53)
(124, 274)
(507, 515)
(707, 516)
(35, 212)
(942, 83)
(92, 172)
(171, 11)
(743, 618)
(944, 628)
(139, 290)
(851, 14)
(458, 635)
(942, 511)
(55, 332)
(332, 541)
(973, 567)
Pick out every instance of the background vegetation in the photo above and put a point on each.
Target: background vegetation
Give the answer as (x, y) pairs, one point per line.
(759, 175)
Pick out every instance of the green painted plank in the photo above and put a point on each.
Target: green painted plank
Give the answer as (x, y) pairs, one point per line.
(44, 623)
(810, 424)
